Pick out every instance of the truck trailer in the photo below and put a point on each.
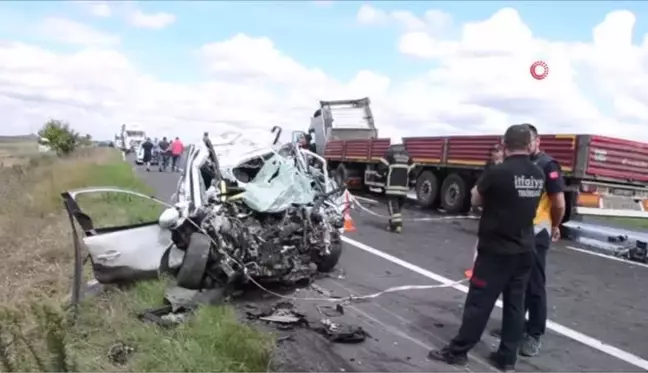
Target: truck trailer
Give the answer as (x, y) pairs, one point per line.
(605, 176)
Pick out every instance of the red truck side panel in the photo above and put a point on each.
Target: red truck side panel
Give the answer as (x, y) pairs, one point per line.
(378, 148)
(356, 150)
(616, 158)
(562, 148)
(425, 150)
(334, 150)
(470, 150)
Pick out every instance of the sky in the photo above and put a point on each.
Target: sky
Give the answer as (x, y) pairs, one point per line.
(429, 68)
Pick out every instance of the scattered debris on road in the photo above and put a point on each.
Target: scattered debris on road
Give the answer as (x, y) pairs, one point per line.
(119, 353)
(283, 315)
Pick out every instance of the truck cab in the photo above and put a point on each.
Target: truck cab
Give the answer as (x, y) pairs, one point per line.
(339, 120)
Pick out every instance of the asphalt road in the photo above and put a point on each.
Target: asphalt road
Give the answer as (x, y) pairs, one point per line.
(603, 299)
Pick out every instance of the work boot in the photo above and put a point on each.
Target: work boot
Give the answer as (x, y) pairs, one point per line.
(530, 346)
(444, 355)
(499, 362)
(398, 229)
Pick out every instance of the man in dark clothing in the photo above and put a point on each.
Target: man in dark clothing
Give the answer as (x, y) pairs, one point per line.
(510, 192)
(397, 165)
(165, 153)
(549, 215)
(147, 146)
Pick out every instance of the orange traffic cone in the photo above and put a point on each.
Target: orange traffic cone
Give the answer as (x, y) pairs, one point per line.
(349, 225)
(469, 272)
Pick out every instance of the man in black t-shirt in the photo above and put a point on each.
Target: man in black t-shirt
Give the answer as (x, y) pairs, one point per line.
(509, 193)
(147, 146)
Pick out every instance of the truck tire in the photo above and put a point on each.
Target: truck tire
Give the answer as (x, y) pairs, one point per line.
(454, 194)
(194, 265)
(427, 188)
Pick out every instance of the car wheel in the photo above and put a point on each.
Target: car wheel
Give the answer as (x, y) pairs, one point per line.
(192, 271)
(327, 263)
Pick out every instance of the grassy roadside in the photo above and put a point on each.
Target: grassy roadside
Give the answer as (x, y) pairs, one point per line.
(631, 223)
(640, 224)
(36, 276)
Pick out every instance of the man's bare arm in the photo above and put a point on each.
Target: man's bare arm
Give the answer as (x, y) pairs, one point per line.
(475, 197)
(557, 208)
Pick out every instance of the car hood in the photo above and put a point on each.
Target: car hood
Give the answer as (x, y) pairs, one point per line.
(235, 148)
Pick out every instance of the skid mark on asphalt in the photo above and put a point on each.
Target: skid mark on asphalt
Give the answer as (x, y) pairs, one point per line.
(551, 325)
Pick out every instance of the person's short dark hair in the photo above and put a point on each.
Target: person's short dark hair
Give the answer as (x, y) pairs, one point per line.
(517, 137)
(532, 128)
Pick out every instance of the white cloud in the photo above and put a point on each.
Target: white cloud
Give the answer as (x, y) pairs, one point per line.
(68, 31)
(432, 20)
(96, 7)
(129, 11)
(480, 83)
(488, 66)
(370, 15)
(157, 20)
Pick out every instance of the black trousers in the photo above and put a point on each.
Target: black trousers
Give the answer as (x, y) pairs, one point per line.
(394, 206)
(536, 295)
(495, 274)
(174, 161)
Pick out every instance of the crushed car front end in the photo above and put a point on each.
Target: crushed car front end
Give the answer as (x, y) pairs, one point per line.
(267, 215)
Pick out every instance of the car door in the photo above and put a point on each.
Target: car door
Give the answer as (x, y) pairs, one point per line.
(117, 230)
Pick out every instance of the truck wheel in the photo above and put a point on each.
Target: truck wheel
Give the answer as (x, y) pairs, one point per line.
(194, 265)
(427, 187)
(454, 194)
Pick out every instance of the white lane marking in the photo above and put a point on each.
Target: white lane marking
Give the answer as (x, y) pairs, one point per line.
(551, 325)
(610, 257)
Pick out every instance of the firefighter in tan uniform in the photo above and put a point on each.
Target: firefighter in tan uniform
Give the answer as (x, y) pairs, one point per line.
(396, 166)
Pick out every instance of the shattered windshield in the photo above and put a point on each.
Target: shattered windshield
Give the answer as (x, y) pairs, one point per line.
(278, 185)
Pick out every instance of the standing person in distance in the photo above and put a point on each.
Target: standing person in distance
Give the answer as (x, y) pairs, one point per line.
(165, 153)
(177, 148)
(496, 157)
(147, 147)
(396, 165)
(549, 215)
(509, 193)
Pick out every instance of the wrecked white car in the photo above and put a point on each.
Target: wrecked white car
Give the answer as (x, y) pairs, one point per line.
(273, 215)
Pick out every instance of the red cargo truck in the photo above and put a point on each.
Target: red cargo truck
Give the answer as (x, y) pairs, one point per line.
(605, 176)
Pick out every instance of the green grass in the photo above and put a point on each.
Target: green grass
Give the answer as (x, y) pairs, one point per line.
(630, 223)
(36, 270)
(212, 340)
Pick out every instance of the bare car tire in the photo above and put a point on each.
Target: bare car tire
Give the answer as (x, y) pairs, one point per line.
(328, 263)
(192, 271)
(427, 188)
(454, 194)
